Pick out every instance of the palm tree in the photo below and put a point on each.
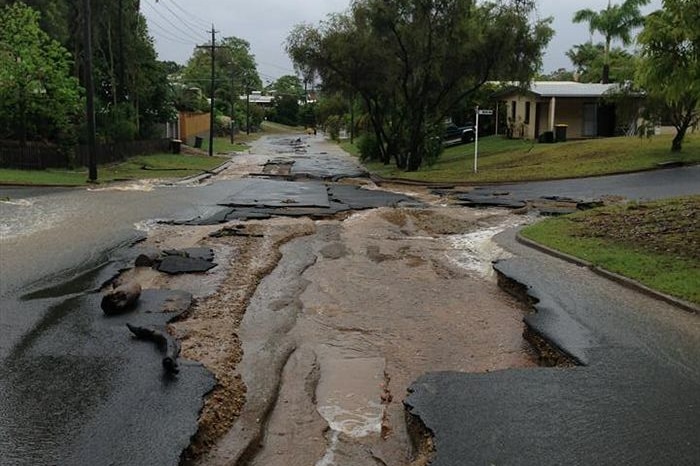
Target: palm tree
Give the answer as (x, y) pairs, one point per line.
(614, 22)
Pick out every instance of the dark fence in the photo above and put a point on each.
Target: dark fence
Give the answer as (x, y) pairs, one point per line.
(40, 155)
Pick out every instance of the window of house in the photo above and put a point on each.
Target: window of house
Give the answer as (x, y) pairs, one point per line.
(527, 113)
(513, 109)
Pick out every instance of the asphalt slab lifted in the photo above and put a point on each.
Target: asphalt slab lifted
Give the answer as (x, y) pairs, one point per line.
(631, 395)
(315, 199)
(81, 389)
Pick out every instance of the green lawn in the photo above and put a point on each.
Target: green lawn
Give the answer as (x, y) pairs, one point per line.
(503, 159)
(271, 127)
(655, 243)
(224, 145)
(144, 166)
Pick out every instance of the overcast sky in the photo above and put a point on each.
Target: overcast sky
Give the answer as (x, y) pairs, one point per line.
(178, 25)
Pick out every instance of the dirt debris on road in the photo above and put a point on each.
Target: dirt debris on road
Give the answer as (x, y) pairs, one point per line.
(381, 297)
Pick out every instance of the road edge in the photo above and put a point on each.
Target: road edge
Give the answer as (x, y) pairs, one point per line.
(622, 280)
(405, 181)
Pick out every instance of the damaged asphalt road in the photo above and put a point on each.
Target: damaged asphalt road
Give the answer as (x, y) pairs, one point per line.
(633, 398)
(79, 389)
(75, 386)
(263, 198)
(327, 302)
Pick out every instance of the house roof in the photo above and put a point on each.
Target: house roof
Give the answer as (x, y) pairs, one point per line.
(570, 89)
(566, 89)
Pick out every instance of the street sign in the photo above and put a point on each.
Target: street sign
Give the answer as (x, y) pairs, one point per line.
(485, 112)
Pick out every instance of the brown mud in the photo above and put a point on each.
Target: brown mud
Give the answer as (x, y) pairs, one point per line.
(387, 294)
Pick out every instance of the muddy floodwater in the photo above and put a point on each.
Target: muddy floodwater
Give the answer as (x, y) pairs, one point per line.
(318, 327)
(313, 324)
(369, 304)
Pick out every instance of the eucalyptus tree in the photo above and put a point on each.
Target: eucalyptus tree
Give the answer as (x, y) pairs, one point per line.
(670, 66)
(614, 22)
(38, 97)
(234, 68)
(412, 61)
(288, 85)
(130, 84)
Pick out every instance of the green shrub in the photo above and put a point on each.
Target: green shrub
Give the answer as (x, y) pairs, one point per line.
(332, 126)
(369, 147)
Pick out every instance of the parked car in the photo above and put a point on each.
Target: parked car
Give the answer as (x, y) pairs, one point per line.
(458, 134)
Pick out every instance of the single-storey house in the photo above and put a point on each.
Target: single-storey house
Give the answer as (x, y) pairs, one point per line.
(548, 104)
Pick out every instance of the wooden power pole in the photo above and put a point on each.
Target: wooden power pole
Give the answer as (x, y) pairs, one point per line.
(212, 87)
(90, 91)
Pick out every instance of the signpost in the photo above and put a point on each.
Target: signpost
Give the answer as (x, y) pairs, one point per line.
(485, 112)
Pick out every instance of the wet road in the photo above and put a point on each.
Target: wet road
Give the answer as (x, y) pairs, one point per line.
(75, 388)
(648, 185)
(49, 238)
(633, 399)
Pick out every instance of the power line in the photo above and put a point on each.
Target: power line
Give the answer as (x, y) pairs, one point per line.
(276, 66)
(166, 34)
(203, 22)
(184, 22)
(176, 28)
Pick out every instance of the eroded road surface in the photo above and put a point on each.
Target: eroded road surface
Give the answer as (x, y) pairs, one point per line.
(331, 300)
(343, 298)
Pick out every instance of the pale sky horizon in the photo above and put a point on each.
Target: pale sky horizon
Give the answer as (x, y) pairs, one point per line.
(177, 26)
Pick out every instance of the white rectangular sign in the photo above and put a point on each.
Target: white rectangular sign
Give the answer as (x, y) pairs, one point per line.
(485, 112)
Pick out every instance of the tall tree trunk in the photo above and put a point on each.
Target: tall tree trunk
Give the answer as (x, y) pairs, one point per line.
(605, 79)
(606, 74)
(678, 141)
(22, 117)
(110, 61)
(684, 116)
(377, 127)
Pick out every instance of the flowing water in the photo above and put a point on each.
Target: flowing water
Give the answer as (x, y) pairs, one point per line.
(351, 315)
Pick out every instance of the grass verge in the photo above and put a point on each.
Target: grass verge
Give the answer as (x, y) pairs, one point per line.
(225, 146)
(656, 243)
(272, 127)
(502, 160)
(146, 166)
(140, 167)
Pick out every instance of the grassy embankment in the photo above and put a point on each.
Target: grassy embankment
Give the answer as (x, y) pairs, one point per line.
(140, 167)
(502, 160)
(223, 145)
(271, 127)
(656, 243)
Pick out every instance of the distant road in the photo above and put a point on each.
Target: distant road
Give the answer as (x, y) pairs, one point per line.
(654, 184)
